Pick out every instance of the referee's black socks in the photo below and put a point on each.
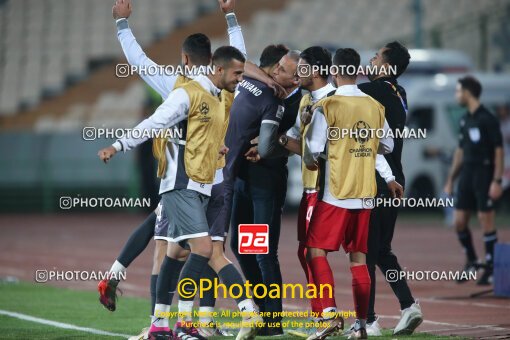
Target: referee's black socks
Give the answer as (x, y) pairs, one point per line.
(467, 243)
(490, 240)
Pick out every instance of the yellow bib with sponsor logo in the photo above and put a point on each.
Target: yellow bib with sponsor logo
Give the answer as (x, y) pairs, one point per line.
(309, 177)
(204, 135)
(159, 144)
(352, 158)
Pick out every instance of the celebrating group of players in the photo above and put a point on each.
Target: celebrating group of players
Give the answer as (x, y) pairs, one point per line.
(240, 124)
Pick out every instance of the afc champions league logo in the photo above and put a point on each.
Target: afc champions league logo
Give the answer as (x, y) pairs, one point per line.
(204, 108)
(361, 132)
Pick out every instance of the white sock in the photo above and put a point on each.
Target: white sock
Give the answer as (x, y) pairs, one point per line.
(328, 313)
(247, 307)
(185, 310)
(205, 315)
(116, 269)
(161, 314)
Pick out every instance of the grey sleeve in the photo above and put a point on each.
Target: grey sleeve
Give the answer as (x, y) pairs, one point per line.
(268, 142)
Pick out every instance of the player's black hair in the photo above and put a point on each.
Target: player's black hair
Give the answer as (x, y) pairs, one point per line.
(198, 47)
(317, 55)
(225, 54)
(471, 84)
(347, 57)
(272, 54)
(397, 55)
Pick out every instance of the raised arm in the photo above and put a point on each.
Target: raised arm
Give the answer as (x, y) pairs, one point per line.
(236, 38)
(161, 83)
(235, 33)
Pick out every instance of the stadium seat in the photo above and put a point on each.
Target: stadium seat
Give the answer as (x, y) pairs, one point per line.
(71, 34)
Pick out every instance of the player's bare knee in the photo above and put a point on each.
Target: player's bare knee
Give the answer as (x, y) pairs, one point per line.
(218, 259)
(357, 259)
(316, 252)
(201, 246)
(183, 255)
(174, 250)
(218, 250)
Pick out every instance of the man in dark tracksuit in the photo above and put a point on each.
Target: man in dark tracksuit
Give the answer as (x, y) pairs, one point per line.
(392, 96)
(258, 189)
(255, 112)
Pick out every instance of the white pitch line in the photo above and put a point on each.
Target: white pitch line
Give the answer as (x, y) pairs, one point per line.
(60, 324)
(437, 323)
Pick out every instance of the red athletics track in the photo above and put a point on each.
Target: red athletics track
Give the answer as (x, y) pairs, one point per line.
(70, 241)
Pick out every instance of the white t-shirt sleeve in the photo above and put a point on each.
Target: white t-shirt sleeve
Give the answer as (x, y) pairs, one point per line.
(146, 68)
(383, 168)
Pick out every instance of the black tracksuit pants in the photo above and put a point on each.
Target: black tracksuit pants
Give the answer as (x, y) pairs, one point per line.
(380, 235)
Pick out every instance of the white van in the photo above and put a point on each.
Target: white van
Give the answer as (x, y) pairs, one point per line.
(432, 106)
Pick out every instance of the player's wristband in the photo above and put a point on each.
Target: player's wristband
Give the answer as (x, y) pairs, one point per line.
(122, 23)
(231, 20)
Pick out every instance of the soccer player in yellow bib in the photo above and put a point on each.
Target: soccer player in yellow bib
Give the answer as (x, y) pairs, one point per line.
(316, 82)
(347, 179)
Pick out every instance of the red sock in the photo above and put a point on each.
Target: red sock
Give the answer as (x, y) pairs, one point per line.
(360, 290)
(322, 275)
(314, 302)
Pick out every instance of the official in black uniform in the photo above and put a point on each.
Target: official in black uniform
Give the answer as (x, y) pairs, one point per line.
(478, 162)
(384, 88)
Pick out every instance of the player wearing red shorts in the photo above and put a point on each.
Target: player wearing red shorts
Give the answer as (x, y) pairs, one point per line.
(347, 180)
(316, 83)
